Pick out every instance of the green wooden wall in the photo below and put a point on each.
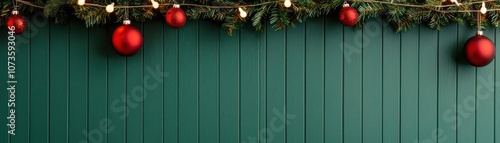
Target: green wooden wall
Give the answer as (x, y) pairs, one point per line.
(317, 82)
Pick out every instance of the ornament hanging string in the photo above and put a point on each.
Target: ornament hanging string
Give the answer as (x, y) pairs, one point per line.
(478, 21)
(126, 14)
(14, 2)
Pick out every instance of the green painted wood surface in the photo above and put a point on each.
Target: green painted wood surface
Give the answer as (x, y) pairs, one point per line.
(466, 120)
(295, 77)
(152, 82)
(409, 86)
(372, 57)
(209, 83)
(249, 71)
(39, 82)
(78, 83)
(58, 83)
(316, 82)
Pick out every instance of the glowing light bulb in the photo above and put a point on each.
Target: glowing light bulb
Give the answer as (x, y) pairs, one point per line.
(243, 13)
(456, 2)
(110, 8)
(287, 3)
(155, 4)
(81, 2)
(483, 8)
(177, 6)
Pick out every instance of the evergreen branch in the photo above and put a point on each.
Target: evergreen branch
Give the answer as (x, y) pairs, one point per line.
(403, 15)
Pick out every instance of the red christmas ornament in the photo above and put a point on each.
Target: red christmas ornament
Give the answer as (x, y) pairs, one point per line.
(17, 21)
(127, 40)
(348, 16)
(175, 17)
(479, 50)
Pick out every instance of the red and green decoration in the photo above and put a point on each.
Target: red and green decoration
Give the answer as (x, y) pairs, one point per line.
(279, 14)
(127, 40)
(348, 16)
(479, 50)
(175, 17)
(17, 21)
(403, 15)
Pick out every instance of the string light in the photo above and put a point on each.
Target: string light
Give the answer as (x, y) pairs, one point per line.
(155, 4)
(483, 8)
(432, 7)
(243, 13)
(110, 8)
(81, 2)
(287, 3)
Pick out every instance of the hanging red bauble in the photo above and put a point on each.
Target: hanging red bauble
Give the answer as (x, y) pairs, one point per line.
(175, 17)
(127, 40)
(348, 16)
(479, 50)
(18, 21)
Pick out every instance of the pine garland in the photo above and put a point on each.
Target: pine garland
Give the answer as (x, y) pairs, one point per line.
(403, 15)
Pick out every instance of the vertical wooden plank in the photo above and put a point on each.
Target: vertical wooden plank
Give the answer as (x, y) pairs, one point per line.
(78, 75)
(118, 109)
(249, 84)
(135, 96)
(101, 71)
(171, 87)
(352, 113)
(209, 82)
(333, 80)
(295, 85)
(409, 85)
(22, 92)
(485, 100)
(39, 81)
(391, 86)
(188, 82)
(497, 88)
(428, 130)
(372, 80)
(276, 85)
(58, 83)
(315, 86)
(263, 86)
(466, 89)
(229, 87)
(447, 82)
(153, 73)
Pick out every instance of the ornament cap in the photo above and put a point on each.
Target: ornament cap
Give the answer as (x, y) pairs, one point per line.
(345, 5)
(127, 22)
(479, 32)
(177, 6)
(15, 12)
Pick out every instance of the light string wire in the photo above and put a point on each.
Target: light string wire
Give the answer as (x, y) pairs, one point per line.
(14, 2)
(165, 4)
(435, 8)
(479, 22)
